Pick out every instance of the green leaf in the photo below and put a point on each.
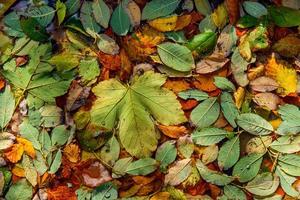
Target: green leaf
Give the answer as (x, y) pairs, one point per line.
(212, 176)
(132, 105)
(64, 61)
(286, 144)
(12, 25)
(110, 151)
(193, 94)
(185, 146)
(21, 190)
(30, 172)
(247, 167)
(61, 11)
(106, 191)
(42, 14)
(284, 17)
(233, 192)
(166, 154)
(247, 21)
(263, 184)
(176, 56)
(255, 9)
(208, 136)
(7, 106)
(30, 133)
(203, 43)
(207, 24)
(83, 193)
(159, 8)
(286, 182)
(254, 124)
(56, 162)
(101, 13)
(60, 135)
(178, 172)
(72, 6)
(120, 167)
(142, 166)
(229, 153)
(87, 19)
(34, 30)
(120, 21)
(43, 85)
(224, 84)
(290, 164)
(291, 119)
(50, 115)
(206, 113)
(203, 7)
(178, 36)
(229, 108)
(40, 163)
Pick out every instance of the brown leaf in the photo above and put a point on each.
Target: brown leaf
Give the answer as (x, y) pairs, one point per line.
(173, 131)
(161, 196)
(95, 174)
(72, 152)
(255, 72)
(264, 84)
(211, 64)
(233, 8)
(268, 100)
(182, 22)
(288, 46)
(61, 193)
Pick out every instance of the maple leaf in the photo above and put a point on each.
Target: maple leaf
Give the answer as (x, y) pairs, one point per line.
(133, 105)
(285, 76)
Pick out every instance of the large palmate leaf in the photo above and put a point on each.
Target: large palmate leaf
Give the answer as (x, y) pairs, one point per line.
(211, 176)
(254, 124)
(35, 80)
(133, 107)
(7, 106)
(159, 8)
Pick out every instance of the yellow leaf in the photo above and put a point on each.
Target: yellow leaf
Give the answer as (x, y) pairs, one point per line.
(239, 96)
(182, 22)
(72, 152)
(164, 24)
(18, 171)
(220, 16)
(28, 147)
(275, 123)
(285, 76)
(15, 153)
(161, 196)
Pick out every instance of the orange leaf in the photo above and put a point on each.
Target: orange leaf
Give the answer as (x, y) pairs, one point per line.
(61, 193)
(72, 152)
(2, 83)
(177, 85)
(28, 147)
(18, 171)
(188, 104)
(233, 9)
(173, 131)
(143, 180)
(182, 22)
(214, 191)
(15, 153)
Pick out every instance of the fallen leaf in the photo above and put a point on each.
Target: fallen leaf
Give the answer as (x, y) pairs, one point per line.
(267, 100)
(182, 22)
(18, 171)
(72, 152)
(173, 131)
(27, 145)
(95, 174)
(161, 196)
(164, 24)
(177, 85)
(264, 84)
(134, 13)
(211, 63)
(61, 192)
(285, 76)
(288, 46)
(233, 9)
(239, 96)
(253, 73)
(15, 153)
